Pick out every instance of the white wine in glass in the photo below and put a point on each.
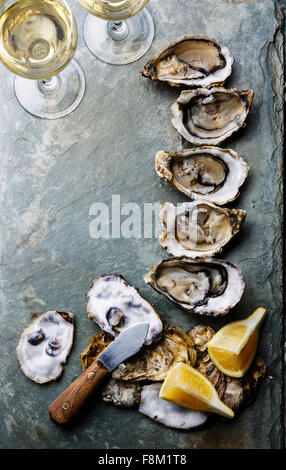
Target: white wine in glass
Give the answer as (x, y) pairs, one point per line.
(38, 39)
(114, 34)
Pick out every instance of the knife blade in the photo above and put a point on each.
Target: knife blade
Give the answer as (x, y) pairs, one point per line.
(68, 404)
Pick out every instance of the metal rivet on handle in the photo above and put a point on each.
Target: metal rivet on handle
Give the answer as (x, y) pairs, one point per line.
(65, 406)
(91, 375)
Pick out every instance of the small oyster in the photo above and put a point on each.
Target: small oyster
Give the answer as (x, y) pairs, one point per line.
(115, 305)
(167, 413)
(122, 394)
(45, 345)
(197, 229)
(204, 286)
(191, 61)
(206, 173)
(153, 362)
(209, 116)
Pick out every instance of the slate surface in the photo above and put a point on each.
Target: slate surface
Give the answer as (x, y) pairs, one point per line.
(52, 172)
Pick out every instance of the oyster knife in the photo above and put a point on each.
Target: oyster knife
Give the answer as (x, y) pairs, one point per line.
(69, 403)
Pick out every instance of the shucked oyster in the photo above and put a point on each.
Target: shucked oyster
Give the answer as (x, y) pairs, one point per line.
(154, 362)
(204, 286)
(45, 345)
(198, 229)
(209, 116)
(115, 305)
(206, 173)
(191, 61)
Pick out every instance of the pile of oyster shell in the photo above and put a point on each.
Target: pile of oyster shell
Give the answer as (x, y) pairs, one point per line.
(193, 232)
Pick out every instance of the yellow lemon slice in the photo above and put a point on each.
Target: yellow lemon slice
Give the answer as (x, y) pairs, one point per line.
(187, 387)
(233, 347)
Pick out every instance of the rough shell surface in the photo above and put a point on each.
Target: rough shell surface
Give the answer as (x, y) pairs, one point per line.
(152, 363)
(45, 345)
(97, 344)
(122, 394)
(167, 413)
(209, 116)
(206, 173)
(115, 305)
(204, 286)
(198, 229)
(191, 61)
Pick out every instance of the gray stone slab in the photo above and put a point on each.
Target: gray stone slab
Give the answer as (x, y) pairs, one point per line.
(53, 171)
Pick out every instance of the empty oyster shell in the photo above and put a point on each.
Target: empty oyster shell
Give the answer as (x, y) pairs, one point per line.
(197, 229)
(169, 414)
(191, 61)
(206, 173)
(209, 116)
(115, 305)
(205, 286)
(45, 345)
(154, 362)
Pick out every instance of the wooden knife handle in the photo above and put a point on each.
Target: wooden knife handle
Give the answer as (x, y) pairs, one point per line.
(72, 399)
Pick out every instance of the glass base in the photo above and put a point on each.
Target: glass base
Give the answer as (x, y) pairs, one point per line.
(127, 48)
(52, 98)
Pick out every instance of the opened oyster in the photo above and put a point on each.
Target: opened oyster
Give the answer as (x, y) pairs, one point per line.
(191, 61)
(208, 286)
(154, 362)
(198, 229)
(115, 305)
(45, 345)
(169, 414)
(206, 173)
(209, 116)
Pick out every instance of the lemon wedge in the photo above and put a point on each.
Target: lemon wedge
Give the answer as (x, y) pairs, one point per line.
(233, 347)
(187, 387)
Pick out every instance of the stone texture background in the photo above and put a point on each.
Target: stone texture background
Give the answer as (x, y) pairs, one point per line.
(51, 173)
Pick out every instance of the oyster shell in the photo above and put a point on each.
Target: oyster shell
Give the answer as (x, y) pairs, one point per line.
(209, 116)
(97, 344)
(206, 173)
(122, 394)
(115, 305)
(191, 61)
(152, 363)
(204, 286)
(169, 414)
(198, 228)
(235, 393)
(45, 345)
(201, 335)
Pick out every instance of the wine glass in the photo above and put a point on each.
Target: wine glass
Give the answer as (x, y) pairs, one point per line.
(38, 39)
(123, 38)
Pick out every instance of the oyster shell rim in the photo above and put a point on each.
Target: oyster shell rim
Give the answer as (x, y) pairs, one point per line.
(148, 73)
(164, 172)
(150, 276)
(177, 112)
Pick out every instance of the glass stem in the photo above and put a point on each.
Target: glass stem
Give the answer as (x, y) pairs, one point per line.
(117, 30)
(49, 85)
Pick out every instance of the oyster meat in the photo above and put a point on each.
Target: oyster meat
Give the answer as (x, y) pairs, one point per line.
(153, 363)
(209, 116)
(45, 345)
(198, 229)
(169, 414)
(207, 173)
(205, 286)
(191, 61)
(115, 305)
